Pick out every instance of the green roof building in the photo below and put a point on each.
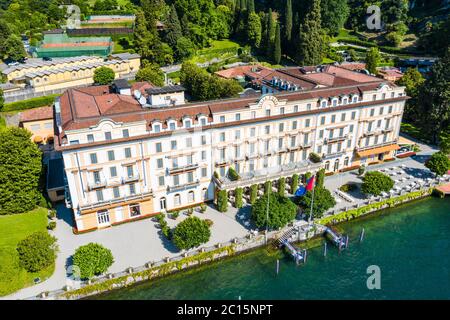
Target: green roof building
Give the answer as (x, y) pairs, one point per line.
(61, 45)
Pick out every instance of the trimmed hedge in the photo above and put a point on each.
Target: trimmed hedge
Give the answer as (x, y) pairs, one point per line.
(355, 213)
(30, 103)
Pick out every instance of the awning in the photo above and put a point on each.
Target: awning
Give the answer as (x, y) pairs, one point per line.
(378, 150)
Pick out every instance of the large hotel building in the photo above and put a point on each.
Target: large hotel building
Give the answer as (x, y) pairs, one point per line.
(131, 152)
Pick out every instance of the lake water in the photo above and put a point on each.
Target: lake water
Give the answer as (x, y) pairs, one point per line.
(410, 244)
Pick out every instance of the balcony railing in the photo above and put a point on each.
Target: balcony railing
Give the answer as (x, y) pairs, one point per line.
(333, 155)
(131, 178)
(376, 145)
(138, 196)
(306, 145)
(184, 186)
(261, 176)
(97, 184)
(388, 129)
(336, 139)
(185, 168)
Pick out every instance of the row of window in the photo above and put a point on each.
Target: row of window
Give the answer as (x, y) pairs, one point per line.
(96, 175)
(116, 194)
(107, 136)
(110, 155)
(103, 215)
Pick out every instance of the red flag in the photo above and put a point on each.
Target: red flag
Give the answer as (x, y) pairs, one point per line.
(310, 183)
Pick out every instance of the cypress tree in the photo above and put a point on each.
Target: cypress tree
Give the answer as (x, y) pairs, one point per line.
(277, 46)
(288, 21)
(311, 46)
(268, 40)
(173, 27)
(250, 6)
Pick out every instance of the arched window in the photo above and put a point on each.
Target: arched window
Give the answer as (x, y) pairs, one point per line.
(355, 99)
(205, 193)
(336, 165)
(163, 203)
(187, 123)
(323, 104)
(345, 101)
(177, 200)
(346, 161)
(327, 166)
(191, 196)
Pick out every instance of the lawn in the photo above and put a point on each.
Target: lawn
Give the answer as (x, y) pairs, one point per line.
(220, 49)
(14, 228)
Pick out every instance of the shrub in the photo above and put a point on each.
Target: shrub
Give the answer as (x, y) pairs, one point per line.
(281, 211)
(320, 177)
(307, 176)
(104, 75)
(216, 175)
(92, 259)
(203, 207)
(37, 251)
(232, 174)
(361, 170)
(438, 163)
(323, 200)
(190, 211)
(375, 183)
(52, 214)
(51, 225)
(314, 157)
(268, 187)
(253, 193)
(30, 103)
(166, 232)
(238, 198)
(190, 233)
(282, 186)
(222, 201)
(294, 183)
(209, 222)
(175, 214)
(349, 187)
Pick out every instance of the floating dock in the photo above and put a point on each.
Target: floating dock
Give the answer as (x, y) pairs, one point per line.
(445, 189)
(299, 255)
(340, 241)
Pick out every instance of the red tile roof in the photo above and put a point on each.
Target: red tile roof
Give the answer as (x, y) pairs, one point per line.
(36, 114)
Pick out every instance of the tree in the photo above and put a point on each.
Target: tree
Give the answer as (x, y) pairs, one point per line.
(372, 60)
(254, 30)
(253, 193)
(334, 15)
(14, 48)
(412, 80)
(288, 22)
(269, 33)
(184, 49)
(268, 187)
(104, 75)
(323, 200)
(20, 169)
(277, 46)
(173, 27)
(92, 259)
(191, 233)
(394, 10)
(222, 201)
(281, 186)
(311, 44)
(439, 163)
(151, 73)
(37, 251)
(375, 183)
(320, 178)
(434, 98)
(444, 141)
(294, 183)
(281, 211)
(238, 197)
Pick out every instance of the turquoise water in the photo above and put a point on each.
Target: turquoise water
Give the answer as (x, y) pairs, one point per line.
(411, 245)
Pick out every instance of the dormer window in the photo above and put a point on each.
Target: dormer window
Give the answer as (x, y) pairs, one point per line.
(157, 128)
(344, 100)
(323, 104)
(203, 121)
(172, 125)
(355, 99)
(334, 102)
(187, 123)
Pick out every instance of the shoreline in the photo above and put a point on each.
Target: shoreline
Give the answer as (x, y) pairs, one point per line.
(217, 253)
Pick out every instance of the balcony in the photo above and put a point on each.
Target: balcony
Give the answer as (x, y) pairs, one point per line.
(306, 145)
(388, 129)
(97, 184)
(384, 144)
(333, 155)
(185, 168)
(294, 148)
(184, 186)
(221, 162)
(369, 133)
(261, 176)
(336, 139)
(140, 196)
(131, 178)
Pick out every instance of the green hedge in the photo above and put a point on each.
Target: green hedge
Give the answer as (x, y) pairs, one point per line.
(30, 104)
(355, 213)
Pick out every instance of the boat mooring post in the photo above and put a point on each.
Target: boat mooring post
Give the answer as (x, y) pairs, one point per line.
(346, 241)
(361, 237)
(278, 266)
(325, 249)
(305, 254)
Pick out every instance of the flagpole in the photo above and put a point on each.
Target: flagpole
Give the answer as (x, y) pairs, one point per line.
(312, 201)
(267, 215)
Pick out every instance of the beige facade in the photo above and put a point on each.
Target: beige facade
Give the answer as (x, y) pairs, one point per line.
(166, 159)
